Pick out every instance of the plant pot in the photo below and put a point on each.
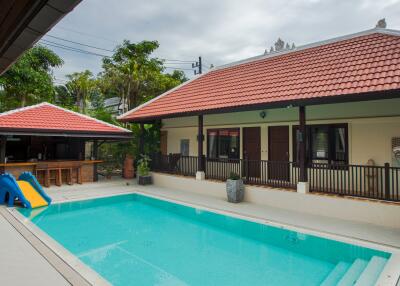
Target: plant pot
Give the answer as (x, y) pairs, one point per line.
(235, 190)
(129, 170)
(145, 180)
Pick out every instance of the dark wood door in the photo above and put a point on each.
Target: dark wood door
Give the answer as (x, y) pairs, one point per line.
(163, 142)
(278, 153)
(252, 151)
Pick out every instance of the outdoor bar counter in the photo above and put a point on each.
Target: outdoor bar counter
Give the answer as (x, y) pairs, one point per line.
(55, 172)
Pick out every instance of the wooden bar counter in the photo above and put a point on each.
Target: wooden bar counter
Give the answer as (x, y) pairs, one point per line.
(55, 172)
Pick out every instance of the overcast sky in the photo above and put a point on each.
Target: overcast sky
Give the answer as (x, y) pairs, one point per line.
(221, 31)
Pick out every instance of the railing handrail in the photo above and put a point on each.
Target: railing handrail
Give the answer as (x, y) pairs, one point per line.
(371, 181)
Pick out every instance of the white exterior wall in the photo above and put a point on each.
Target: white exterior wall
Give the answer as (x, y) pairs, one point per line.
(328, 206)
(371, 126)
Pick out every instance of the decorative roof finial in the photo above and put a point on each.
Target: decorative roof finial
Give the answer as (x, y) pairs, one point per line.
(279, 46)
(381, 24)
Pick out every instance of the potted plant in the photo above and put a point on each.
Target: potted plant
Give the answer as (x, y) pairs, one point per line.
(234, 188)
(144, 177)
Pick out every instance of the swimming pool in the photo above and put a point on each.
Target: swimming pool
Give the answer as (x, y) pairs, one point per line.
(138, 240)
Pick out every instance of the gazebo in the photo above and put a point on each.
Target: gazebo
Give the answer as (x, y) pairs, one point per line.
(56, 144)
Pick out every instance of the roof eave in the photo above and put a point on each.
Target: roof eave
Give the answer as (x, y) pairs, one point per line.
(63, 133)
(357, 97)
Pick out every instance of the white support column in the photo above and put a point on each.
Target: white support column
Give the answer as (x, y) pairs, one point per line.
(200, 175)
(303, 187)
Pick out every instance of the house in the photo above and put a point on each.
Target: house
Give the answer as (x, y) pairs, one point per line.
(115, 105)
(53, 143)
(320, 118)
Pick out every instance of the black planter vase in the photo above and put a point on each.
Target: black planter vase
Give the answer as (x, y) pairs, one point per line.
(145, 180)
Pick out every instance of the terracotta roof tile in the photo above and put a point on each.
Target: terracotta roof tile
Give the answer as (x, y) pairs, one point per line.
(355, 65)
(46, 117)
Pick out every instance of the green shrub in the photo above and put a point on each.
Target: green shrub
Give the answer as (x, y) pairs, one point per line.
(234, 176)
(144, 165)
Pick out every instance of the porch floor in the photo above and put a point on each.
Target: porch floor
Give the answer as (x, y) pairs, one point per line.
(298, 221)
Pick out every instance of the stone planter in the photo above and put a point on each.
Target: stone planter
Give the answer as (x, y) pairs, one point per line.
(145, 180)
(235, 190)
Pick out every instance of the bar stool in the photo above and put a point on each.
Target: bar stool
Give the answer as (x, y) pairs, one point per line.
(68, 171)
(57, 175)
(43, 168)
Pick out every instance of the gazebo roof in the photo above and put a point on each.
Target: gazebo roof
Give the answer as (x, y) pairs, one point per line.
(46, 118)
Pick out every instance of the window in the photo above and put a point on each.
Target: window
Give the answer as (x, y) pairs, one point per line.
(324, 143)
(185, 147)
(223, 143)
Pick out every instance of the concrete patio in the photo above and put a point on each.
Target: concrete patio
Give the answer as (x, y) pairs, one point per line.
(27, 259)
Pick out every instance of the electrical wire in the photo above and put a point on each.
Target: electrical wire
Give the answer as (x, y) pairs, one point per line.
(69, 48)
(78, 43)
(177, 68)
(85, 34)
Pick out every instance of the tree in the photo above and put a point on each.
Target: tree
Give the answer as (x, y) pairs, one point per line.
(81, 86)
(30, 79)
(132, 62)
(64, 98)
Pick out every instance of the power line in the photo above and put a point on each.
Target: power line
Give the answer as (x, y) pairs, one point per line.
(86, 34)
(195, 64)
(174, 63)
(180, 61)
(177, 68)
(69, 48)
(78, 43)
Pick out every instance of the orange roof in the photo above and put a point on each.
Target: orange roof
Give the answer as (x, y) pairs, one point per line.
(359, 64)
(49, 118)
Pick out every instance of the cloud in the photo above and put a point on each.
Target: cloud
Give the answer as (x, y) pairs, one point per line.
(221, 31)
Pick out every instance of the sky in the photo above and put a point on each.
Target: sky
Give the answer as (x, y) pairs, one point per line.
(221, 31)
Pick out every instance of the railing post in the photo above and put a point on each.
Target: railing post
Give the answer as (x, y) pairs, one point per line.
(200, 175)
(303, 185)
(95, 157)
(141, 139)
(387, 180)
(170, 163)
(3, 143)
(246, 160)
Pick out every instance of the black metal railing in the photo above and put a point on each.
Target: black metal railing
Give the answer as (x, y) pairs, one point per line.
(376, 182)
(174, 164)
(263, 172)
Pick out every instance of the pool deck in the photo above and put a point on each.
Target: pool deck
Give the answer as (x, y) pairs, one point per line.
(28, 260)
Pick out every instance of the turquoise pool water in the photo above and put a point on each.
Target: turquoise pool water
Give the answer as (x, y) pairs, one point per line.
(138, 240)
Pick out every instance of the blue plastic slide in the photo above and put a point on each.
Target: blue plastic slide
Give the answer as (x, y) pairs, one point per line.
(26, 189)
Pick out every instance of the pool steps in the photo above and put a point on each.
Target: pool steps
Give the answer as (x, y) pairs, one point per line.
(335, 275)
(371, 272)
(359, 273)
(353, 272)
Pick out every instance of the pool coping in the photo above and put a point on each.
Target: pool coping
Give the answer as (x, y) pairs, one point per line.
(69, 259)
(389, 276)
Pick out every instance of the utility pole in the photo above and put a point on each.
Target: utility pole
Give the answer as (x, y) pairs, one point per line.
(198, 65)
